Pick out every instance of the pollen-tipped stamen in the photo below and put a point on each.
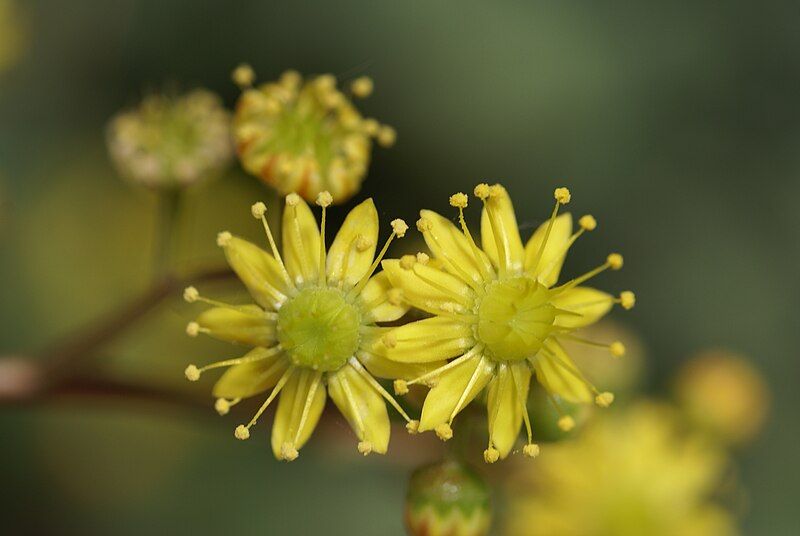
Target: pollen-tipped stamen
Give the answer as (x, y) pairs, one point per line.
(379, 388)
(191, 295)
(450, 364)
(399, 229)
(259, 211)
(614, 261)
(292, 200)
(460, 201)
(523, 404)
(275, 391)
(586, 225)
(197, 371)
(504, 263)
(616, 348)
(324, 199)
(426, 228)
(312, 391)
(562, 196)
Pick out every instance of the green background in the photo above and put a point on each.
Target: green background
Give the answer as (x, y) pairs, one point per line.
(676, 124)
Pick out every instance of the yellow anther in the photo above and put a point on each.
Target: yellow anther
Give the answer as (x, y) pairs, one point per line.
(325, 82)
(424, 225)
(491, 455)
(495, 190)
(566, 423)
(290, 79)
(362, 87)
(562, 195)
(389, 341)
(604, 399)
(362, 243)
(423, 258)
(242, 432)
(224, 238)
(531, 450)
(627, 299)
(324, 199)
(459, 200)
(292, 199)
(481, 191)
(258, 210)
(412, 427)
(395, 296)
(190, 294)
(364, 447)
(399, 227)
(371, 126)
(588, 222)
(192, 373)
(617, 349)
(444, 432)
(386, 136)
(614, 261)
(243, 76)
(288, 452)
(192, 329)
(407, 262)
(400, 387)
(222, 406)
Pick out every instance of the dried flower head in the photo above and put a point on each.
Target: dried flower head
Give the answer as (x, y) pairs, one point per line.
(497, 316)
(313, 327)
(172, 141)
(305, 136)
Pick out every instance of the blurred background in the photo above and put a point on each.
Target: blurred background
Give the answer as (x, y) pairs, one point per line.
(676, 124)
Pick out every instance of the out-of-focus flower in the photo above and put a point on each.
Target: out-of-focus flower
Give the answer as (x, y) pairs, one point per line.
(305, 136)
(631, 473)
(497, 311)
(724, 394)
(313, 327)
(172, 141)
(447, 499)
(12, 33)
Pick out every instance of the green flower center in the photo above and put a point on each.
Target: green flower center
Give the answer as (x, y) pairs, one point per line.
(319, 329)
(514, 318)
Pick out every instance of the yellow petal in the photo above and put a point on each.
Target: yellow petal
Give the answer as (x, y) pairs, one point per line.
(300, 242)
(590, 305)
(450, 386)
(415, 284)
(258, 270)
(378, 304)
(431, 339)
(353, 249)
(504, 225)
(505, 409)
(362, 406)
(558, 380)
(245, 325)
(250, 379)
(296, 395)
(448, 244)
(552, 259)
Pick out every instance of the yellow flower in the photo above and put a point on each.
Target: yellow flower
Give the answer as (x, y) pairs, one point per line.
(312, 326)
(632, 473)
(305, 136)
(497, 312)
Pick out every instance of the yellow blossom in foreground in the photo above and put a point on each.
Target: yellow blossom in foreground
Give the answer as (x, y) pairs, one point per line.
(312, 326)
(498, 315)
(628, 474)
(305, 136)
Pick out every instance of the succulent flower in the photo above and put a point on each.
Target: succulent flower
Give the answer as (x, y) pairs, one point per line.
(498, 316)
(634, 472)
(169, 141)
(305, 136)
(313, 327)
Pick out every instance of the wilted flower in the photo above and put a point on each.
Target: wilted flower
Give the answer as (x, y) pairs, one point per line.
(12, 33)
(313, 327)
(305, 136)
(497, 312)
(171, 141)
(447, 499)
(723, 394)
(631, 473)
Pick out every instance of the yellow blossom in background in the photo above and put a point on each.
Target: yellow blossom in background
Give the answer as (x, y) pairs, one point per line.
(306, 136)
(724, 394)
(313, 327)
(632, 473)
(499, 317)
(172, 141)
(12, 33)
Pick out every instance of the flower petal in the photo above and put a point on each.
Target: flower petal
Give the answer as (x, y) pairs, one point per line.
(382, 367)
(552, 259)
(304, 388)
(504, 225)
(447, 291)
(362, 406)
(245, 325)
(250, 379)
(377, 303)
(590, 305)
(431, 339)
(353, 249)
(558, 380)
(505, 409)
(450, 385)
(258, 270)
(448, 244)
(300, 242)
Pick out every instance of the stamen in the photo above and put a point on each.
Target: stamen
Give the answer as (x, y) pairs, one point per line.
(563, 197)
(307, 406)
(470, 385)
(523, 406)
(362, 87)
(223, 406)
(243, 76)
(613, 261)
(364, 447)
(259, 211)
(627, 299)
(572, 370)
(348, 393)
(450, 364)
(324, 199)
(587, 223)
(292, 200)
(419, 272)
(484, 192)
(193, 373)
(491, 454)
(616, 348)
(460, 201)
(530, 450)
(192, 295)
(565, 421)
(193, 329)
(444, 431)
(243, 431)
(399, 229)
(379, 388)
(426, 228)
